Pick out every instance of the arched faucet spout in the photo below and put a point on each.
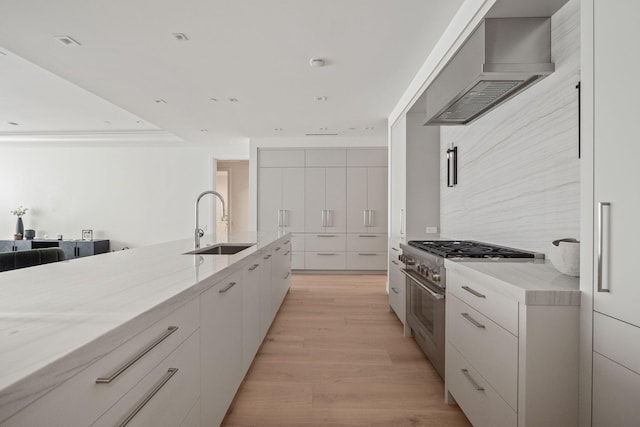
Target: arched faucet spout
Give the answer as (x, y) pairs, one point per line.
(198, 231)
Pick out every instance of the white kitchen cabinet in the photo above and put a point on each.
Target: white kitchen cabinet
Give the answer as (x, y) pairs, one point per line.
(367, 199)
(509, 363)
(280, 275)
(397, 281)
(221, 354)
(325, 201)
(368, 261)
(324, 157)
(266, 308)
(398, 177)
(281, 199)
(251, 316)
(81, 400)
(367, 157)
(609, 182)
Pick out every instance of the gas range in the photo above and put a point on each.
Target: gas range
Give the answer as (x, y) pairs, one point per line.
(470, 249)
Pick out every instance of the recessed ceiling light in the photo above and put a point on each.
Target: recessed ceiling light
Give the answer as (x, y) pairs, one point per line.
(108, 122)
(233, 99)
(13, 123)
(181, 37)
(368, 128)
(204, 130)
(139, 121)
(278, 129)
(160, 101)
(317, 62)
(67, 40)
(324, 129)
(321, 98)
(352, 128)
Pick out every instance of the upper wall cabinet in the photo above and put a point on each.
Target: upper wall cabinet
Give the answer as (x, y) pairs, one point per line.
(367, 200)
(326, 201)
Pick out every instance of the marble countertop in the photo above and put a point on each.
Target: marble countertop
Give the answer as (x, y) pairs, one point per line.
(529, 282)
(54, 310)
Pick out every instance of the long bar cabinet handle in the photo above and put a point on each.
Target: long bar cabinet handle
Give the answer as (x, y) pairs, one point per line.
(226, 288)
(601, 206)
(473, 292)
(472, 380)
(156, 388)
(473, 321)
(108, 379)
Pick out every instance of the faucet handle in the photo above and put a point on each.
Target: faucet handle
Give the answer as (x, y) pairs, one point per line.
(200, 232)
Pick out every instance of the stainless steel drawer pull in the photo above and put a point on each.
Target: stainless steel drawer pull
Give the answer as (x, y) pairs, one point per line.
(156, 388)
(395, 290)
(471, 380)
(226, 288)
(601, 247)
(473, 321)
(394, 262)
(277, 249)
(395, 249)
(286, 253)
(326, 254)
(253, 267)
(367, 235)
(267, 256)
(367, 254)
(288, 274)
(287, 242)
(473, 292)
(327, 235)
(140, 355)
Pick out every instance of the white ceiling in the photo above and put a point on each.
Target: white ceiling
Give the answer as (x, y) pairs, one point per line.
(257, 51)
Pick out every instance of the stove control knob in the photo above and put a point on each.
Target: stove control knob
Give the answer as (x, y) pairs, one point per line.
(436, 277)
(409, 261)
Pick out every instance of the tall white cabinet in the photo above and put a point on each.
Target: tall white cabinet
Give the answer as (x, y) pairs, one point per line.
(610, 88)
(341, 196)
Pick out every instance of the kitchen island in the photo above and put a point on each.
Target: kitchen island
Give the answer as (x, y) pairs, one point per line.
(61, 322)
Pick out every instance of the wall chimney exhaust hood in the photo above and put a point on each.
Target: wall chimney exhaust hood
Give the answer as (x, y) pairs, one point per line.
(502, 57)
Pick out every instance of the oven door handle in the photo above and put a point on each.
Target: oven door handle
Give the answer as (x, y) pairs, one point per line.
(435, 295)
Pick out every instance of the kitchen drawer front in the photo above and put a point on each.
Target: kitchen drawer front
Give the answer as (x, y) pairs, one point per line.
(325, 261)
(325, 242)
(471, 289)
(367, 242)
(397, 300)
(396, 277)
(80, 400)
(617, 340)
(484, 408)
(366, 260)
(172, 402)
(615, 394)
(297, 242)
(489, 348)
(194, 417)
(297, 261)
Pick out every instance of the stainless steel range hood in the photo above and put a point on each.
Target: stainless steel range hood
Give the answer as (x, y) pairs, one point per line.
(501, 58)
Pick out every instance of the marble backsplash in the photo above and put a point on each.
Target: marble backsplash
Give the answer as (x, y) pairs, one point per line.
(518, 166)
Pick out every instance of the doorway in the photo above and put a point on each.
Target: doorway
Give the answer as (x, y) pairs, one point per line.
(232, 182)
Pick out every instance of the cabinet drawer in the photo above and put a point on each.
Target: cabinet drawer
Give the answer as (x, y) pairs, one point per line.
(617, 340)
(490, 349)
(325, 261)
(322, 242)
(396, 277)
(367, 242)
(366, 260)
(484, 408)
(60, 406)
(397, 300)
(615, 394)
(473, 290)
(297, 260)
(297, 242)
(176, 391)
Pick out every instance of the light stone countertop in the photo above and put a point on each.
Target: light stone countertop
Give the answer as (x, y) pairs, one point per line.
(49, 314)
(528, 282)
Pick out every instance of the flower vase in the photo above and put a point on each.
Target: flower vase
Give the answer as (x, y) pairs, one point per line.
(20, 227)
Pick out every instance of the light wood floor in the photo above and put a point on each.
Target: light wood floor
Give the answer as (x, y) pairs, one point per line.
(335, 356)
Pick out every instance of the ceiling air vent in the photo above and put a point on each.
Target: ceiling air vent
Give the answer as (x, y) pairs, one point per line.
(321, 134)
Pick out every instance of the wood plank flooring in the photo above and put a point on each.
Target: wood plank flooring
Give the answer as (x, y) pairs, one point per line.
(335, 356)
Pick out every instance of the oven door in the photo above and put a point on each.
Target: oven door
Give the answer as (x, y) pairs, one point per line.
(425, 315)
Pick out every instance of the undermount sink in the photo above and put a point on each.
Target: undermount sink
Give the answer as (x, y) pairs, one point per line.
(221, 249)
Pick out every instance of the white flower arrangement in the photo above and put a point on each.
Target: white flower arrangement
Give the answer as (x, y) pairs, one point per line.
(20, 211)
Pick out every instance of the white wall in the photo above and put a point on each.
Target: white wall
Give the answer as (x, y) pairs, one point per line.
(305, 142)
(133, 194)
(518, 170)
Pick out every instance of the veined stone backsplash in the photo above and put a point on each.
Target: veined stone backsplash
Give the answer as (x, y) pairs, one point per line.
(518, 166)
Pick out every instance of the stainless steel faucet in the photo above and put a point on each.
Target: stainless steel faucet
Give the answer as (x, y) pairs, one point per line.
(199, 232)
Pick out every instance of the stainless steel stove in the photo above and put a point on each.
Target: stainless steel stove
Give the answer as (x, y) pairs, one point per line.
(426, 284)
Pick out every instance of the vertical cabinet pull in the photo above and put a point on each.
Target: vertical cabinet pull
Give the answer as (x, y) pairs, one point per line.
(402, 222)
(324, 218)
(471, 380)
(140, 355)
(601, 247)
(156, 388)
(366, 217)
(285, 217)
(279, 217)
(370, 218)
